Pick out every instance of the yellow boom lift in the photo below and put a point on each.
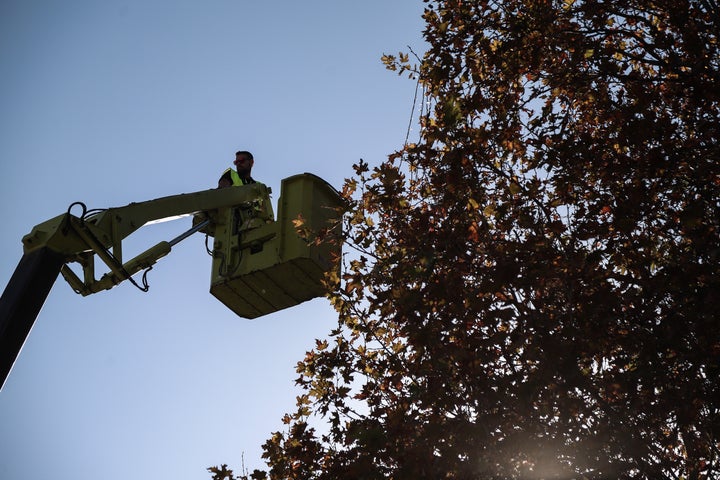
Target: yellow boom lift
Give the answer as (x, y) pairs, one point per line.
(259, 264)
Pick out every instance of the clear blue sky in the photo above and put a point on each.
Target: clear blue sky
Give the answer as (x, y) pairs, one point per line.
(111, 102)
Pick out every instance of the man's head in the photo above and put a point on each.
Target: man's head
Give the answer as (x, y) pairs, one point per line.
(243, 163)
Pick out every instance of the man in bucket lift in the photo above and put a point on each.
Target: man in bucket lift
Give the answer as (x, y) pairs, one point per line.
(241, 175)
(253, 214)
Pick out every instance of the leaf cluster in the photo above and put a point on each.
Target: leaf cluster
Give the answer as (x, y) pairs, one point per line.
(530, 288)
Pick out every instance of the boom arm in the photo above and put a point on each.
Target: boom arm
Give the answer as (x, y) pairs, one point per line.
(79, 239)
(68, 238)
(259, 265)
(22, 300)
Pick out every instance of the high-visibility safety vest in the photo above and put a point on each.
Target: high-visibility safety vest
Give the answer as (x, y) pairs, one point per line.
(235, 178)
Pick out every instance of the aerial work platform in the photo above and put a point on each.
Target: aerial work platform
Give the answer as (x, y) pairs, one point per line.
(260, 264)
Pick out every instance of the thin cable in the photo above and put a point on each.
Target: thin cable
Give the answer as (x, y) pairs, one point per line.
(412, 112)
(92, 212)
(417, 86)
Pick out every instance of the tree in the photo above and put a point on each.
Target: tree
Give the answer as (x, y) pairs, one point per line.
(531, 288)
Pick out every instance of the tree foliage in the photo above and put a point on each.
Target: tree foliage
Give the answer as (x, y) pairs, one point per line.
(531, 289)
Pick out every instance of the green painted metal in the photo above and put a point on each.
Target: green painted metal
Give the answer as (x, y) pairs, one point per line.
(260, 266)
(112, 225)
